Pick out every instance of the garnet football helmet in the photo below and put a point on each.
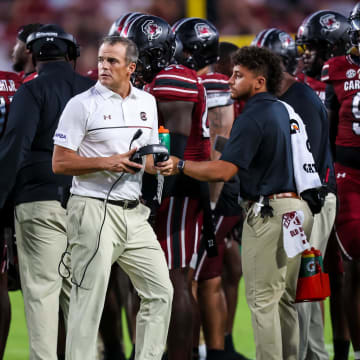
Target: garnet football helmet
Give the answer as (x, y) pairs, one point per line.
(322, 35)
(119, 23)
(197, 42)
(326, 30)
(155, 41)
(51, 42)
(280, 43)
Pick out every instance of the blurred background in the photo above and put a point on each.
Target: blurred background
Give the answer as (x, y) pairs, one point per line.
(90, 20)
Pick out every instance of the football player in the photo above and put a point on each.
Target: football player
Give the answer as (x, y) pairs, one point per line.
(9, 83)
(21, 56)
(198, 48)
(310, 108)
(342, 100)
(322, 35)
(182, 109)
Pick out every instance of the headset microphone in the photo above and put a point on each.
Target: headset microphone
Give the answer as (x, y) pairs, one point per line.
(135, 137)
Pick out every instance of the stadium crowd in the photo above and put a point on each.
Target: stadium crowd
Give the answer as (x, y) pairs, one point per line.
(254, 175)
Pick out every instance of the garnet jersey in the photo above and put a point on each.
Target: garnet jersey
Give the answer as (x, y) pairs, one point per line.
(318, 86)
(344, 76)
(179, 83)
(217, 89)
(9, 83)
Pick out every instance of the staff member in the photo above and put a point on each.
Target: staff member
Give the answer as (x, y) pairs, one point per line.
(25, 161)
(106, 223)
(311, 109)
(259, 150)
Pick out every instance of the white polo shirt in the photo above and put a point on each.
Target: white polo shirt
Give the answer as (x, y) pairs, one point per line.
(100, 123)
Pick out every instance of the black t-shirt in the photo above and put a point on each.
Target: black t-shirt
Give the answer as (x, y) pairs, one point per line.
(228, 203)
(313, 113)
(260, 146)
(27, 146)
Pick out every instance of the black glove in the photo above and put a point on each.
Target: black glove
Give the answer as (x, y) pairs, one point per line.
(315, 198)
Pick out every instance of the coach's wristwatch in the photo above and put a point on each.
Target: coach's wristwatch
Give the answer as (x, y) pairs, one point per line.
(180, 166)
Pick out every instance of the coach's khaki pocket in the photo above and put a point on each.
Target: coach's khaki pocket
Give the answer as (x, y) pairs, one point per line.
(74, 218)
(257, 223)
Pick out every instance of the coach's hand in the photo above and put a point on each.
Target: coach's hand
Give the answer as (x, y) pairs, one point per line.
(122, 163)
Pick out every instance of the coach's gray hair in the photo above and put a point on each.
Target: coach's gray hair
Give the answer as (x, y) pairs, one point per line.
(131, 53)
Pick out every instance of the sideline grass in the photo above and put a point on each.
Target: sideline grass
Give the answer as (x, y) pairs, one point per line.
(18, 349)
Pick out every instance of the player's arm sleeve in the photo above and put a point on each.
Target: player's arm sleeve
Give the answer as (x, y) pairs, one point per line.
(174, 87)
(72, 125)
(16, 142)
(176, 92)
(218, 92)
(177, 117)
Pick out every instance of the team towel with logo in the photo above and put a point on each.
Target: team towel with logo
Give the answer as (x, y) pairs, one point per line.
(306, 177)
(305, 173)
(294, 237)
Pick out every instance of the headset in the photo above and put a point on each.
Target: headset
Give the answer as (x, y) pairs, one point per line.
(51, 41)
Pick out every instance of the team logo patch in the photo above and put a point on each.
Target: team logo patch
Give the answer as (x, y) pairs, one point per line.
(151, 30)
(143, 116)
(329, 22)
(286, 40)
(294, 127)
(107, 117)
(350, 73)
(203, 31)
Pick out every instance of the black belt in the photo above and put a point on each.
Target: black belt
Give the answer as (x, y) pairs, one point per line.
(126, 204)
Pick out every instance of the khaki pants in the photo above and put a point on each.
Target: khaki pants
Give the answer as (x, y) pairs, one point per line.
(270, 281)
(41, 239)
(312, 345)
(127, 238)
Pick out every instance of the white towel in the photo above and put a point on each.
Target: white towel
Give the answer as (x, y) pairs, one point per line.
(306, 176)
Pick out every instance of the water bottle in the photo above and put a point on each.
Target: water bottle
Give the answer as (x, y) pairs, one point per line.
(164, 137)
(318, 259)
(308, 265)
